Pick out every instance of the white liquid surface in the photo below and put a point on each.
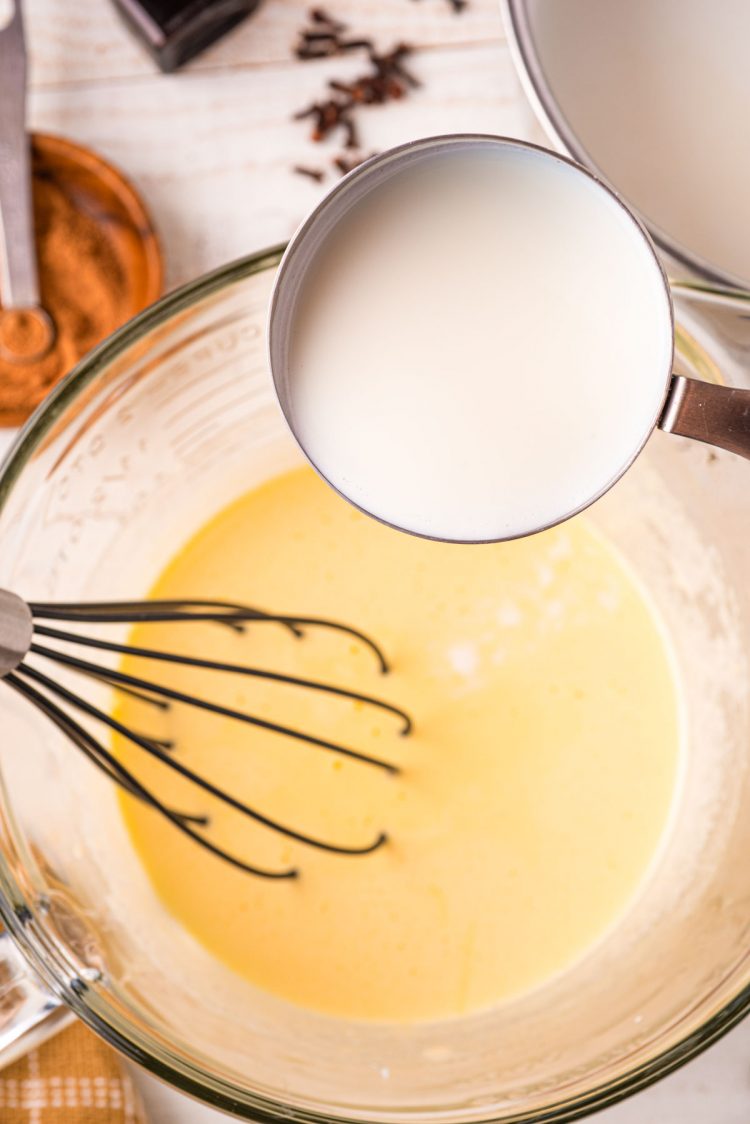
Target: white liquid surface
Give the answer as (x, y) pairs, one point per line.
(658, 93)
(481, 346)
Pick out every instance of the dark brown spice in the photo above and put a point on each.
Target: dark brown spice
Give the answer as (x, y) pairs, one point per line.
(346, 164)
(387, 80)
(325, 38)
(458, 5)
(319, 15)
(98, 265)
(312, 173)
(342, 164)
(328, 116)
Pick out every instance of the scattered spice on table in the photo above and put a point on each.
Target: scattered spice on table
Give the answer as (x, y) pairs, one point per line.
(387, 79)
(345, 164)
(325, 37)
(458, 5)
(316, 174)
(342, 164)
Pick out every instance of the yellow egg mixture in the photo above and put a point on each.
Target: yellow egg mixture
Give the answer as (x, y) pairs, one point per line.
(533, 793)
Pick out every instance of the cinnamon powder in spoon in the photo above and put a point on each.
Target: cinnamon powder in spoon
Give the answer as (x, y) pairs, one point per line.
(99, 263)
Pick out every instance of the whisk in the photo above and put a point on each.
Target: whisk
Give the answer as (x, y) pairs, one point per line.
(22, 633)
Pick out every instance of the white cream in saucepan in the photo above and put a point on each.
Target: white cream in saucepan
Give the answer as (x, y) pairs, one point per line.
(657, 92)
(480, 346)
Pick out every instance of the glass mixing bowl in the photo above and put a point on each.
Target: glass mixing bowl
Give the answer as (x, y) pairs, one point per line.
(169, 420)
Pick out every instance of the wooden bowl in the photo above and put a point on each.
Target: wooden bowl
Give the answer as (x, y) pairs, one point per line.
(100, 263)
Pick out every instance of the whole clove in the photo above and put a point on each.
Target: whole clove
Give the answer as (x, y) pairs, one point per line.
(325, 38)
(312, 173)
(341, 163)
(388, 78)
(458, 5)
(319, 15)
(345, 164)
(327, 117)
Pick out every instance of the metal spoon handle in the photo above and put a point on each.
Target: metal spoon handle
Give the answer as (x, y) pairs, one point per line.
(19, 283)
(717, 415)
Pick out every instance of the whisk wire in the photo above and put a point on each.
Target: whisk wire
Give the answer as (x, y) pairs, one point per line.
(233, 668)
(20, 632)
(118, 677)
(154, 750)
(104, 676)
(122, 776)
(216, 612)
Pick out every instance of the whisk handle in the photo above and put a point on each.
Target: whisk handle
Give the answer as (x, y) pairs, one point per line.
(16, 628)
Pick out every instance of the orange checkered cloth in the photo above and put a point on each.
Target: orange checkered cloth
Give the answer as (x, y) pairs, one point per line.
(74, 1078)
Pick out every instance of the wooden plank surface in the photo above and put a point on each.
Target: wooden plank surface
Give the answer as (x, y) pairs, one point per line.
(212, 147)
(83, 41)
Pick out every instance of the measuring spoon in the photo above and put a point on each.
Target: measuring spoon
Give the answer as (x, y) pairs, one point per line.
(26, 330)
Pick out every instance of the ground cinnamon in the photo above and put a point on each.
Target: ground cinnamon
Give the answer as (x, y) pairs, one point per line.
(98, 265)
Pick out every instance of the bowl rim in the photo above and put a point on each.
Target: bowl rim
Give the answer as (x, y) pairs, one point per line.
(102, 1017)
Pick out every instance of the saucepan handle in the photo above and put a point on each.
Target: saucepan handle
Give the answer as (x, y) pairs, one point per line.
(717, 415)
(29, 1014)
(713, 296)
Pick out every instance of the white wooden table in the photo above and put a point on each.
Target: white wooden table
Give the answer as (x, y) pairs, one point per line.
(211, 149)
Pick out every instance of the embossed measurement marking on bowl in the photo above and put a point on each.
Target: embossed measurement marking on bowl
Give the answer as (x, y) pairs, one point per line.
(476, 343)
